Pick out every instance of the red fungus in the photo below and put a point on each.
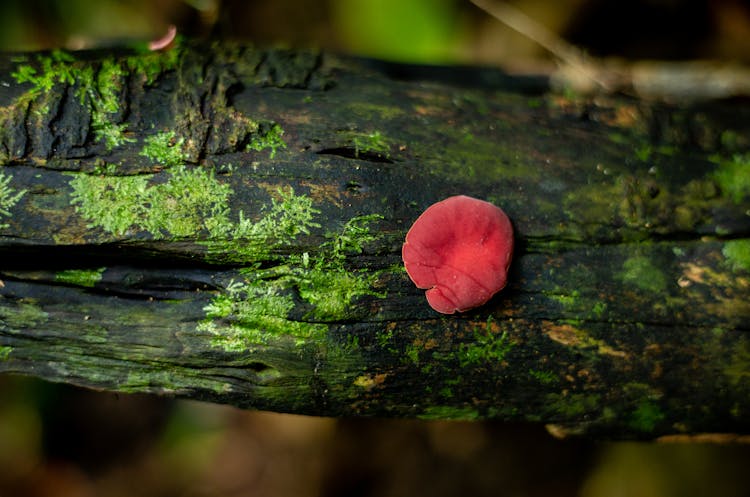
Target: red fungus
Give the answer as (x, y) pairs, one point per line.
(459, 250)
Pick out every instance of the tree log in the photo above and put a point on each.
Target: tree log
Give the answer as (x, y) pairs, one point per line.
(224, 223)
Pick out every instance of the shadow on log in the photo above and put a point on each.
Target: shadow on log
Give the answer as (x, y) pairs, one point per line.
(224, 223)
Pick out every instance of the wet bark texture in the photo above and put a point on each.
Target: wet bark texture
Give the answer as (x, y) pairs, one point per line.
(224, 223)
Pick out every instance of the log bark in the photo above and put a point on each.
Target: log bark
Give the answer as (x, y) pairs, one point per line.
(224, 223)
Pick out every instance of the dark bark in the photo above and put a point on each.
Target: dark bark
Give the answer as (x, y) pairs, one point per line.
(224, 224)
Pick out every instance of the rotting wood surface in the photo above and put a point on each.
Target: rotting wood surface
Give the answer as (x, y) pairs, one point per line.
(224, 223)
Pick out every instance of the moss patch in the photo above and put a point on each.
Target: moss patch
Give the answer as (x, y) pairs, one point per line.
(246, 241)
(25, 314)
(372, 111)
(80, 277)
(189, 201)
(253, 313)
(544, 377)
(104, 95)
(737, 254)
(256, 311)
(646, 416)
(572, 406)
(5, 352)
(98, 85)
(328, 285)
(269, 136)
(149, 64)
(738, 369)
(112, 203)
(733, 177)
(475, 155)
(486, 347)
(641, 272)
(371, 143)
(638, 206)
(9, 197)
(449, 413)
(52, 69)
(165, 149)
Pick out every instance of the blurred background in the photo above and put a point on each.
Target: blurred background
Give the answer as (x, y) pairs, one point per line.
(57, 440)
(428, 31)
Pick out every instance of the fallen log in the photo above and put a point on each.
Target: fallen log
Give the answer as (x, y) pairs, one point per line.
(225, 223)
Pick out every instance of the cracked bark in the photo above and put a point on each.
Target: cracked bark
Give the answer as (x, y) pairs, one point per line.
(627, 310)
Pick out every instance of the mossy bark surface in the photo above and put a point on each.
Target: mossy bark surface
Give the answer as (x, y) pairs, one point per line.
(224, 223)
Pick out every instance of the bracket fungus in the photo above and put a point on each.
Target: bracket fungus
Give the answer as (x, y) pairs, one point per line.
(459, 250)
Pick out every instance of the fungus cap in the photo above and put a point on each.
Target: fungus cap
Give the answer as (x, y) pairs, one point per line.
(459, 250)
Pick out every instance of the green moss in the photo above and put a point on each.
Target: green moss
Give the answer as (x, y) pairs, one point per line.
(487, 347)
(112, 203)
(151, 64)
(641, 272)
(643, 153)
(412, 353)
(255, 313)
(330, 291)
(80, 277)
(616, 137)
(189, 201)
(737, 254)
(257, 310)
(100, 86)
(733, 177)
(450, 413)
(371, 111)
(101, 90)
(352, 238)
(5, 352)
(104, 91)
(371, 143)
(9, 197)
(572, 406)
(164, 149)
(646, 417)
(738, 369)
(167, 381)
(544, 377)
(534, 102)
(641, 205)
(328, 285)
(268, 136)
(446, 392)
(566, 300)
(594, 207)
(57, 67)
(576, 304)
(290, 215)
(384, 338)
(104, 95)
(247, 241)
(470, 153)
(15, 316)
(733, 141)
(598, 309)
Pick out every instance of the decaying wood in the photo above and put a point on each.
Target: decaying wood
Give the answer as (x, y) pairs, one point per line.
(160, 234)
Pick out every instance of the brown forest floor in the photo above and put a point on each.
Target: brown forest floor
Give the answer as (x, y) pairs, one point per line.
(64, 441)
